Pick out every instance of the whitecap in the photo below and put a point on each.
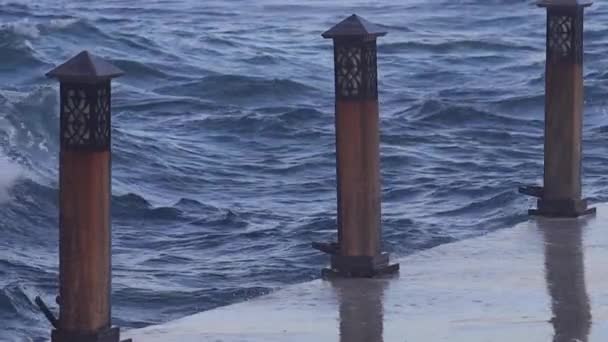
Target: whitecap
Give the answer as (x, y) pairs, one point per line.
(62, 23)
(10, 172)
(23, 28)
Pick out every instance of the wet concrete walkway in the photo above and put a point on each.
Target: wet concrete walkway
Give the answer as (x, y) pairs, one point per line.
(543, 280)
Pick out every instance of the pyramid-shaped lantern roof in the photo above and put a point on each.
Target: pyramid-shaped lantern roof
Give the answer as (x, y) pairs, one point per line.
(354, 26)
(564, 3)
(85, 67)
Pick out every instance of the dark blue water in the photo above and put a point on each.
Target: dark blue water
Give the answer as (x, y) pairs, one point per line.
(224, 144)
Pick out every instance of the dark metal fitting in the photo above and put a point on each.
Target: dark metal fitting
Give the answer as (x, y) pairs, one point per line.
(46, 311)
(106, 335)
(332, 248)
(531, 190)
(360, 266)
(566, 208)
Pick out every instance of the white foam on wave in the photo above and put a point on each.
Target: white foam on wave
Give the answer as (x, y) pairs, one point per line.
(22, 27)
(62, 23)
(31, 30)
(10, 172)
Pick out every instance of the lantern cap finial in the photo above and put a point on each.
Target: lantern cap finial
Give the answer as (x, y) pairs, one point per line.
(86, 67)
(564, 3)
(354, 26)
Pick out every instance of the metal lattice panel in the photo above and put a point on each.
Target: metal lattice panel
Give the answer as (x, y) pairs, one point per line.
(76, 112)
(561, 35)
(565, 36)
(102, 127)
(85, 116)
(370, 57)
(348, 71)
(356, 70)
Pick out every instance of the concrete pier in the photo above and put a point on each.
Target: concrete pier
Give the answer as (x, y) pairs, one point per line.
(543, 280)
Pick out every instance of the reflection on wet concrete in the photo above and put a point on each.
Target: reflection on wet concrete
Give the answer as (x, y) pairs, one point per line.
(565, 274)
(361, 309)
(537, 282)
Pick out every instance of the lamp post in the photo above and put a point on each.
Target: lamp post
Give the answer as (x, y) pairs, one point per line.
(358, 251)
(84, 203)
(564, 97)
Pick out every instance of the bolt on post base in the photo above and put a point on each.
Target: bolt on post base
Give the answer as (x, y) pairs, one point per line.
(360, 266)
(568, 208)
(107, 335)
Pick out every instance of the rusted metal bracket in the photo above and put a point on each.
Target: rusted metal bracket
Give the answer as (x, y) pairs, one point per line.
(555, 207)
(354, 266)
(47, 312)
(532, 190)
(109, 335)
(360, 266)
(331, 248)
(562, 208)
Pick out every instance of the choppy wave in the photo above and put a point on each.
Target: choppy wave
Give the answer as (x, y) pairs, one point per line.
(236, 88)
(77, 27)
(139, 70)
(15, 45)
(223, 140)
(15, 300)
(459, 46)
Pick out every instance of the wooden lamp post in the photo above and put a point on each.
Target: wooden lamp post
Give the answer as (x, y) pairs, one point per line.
(561, 194)
(84, 204)
(358, 251)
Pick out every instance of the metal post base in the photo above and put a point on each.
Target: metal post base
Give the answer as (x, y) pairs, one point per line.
(360, 266)
(569, 208)
(108, 335)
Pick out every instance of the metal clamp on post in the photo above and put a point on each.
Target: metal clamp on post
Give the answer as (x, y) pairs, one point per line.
(106, 335)
(360, 266)
(47, 312)
(331, 248)
(531, 190)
